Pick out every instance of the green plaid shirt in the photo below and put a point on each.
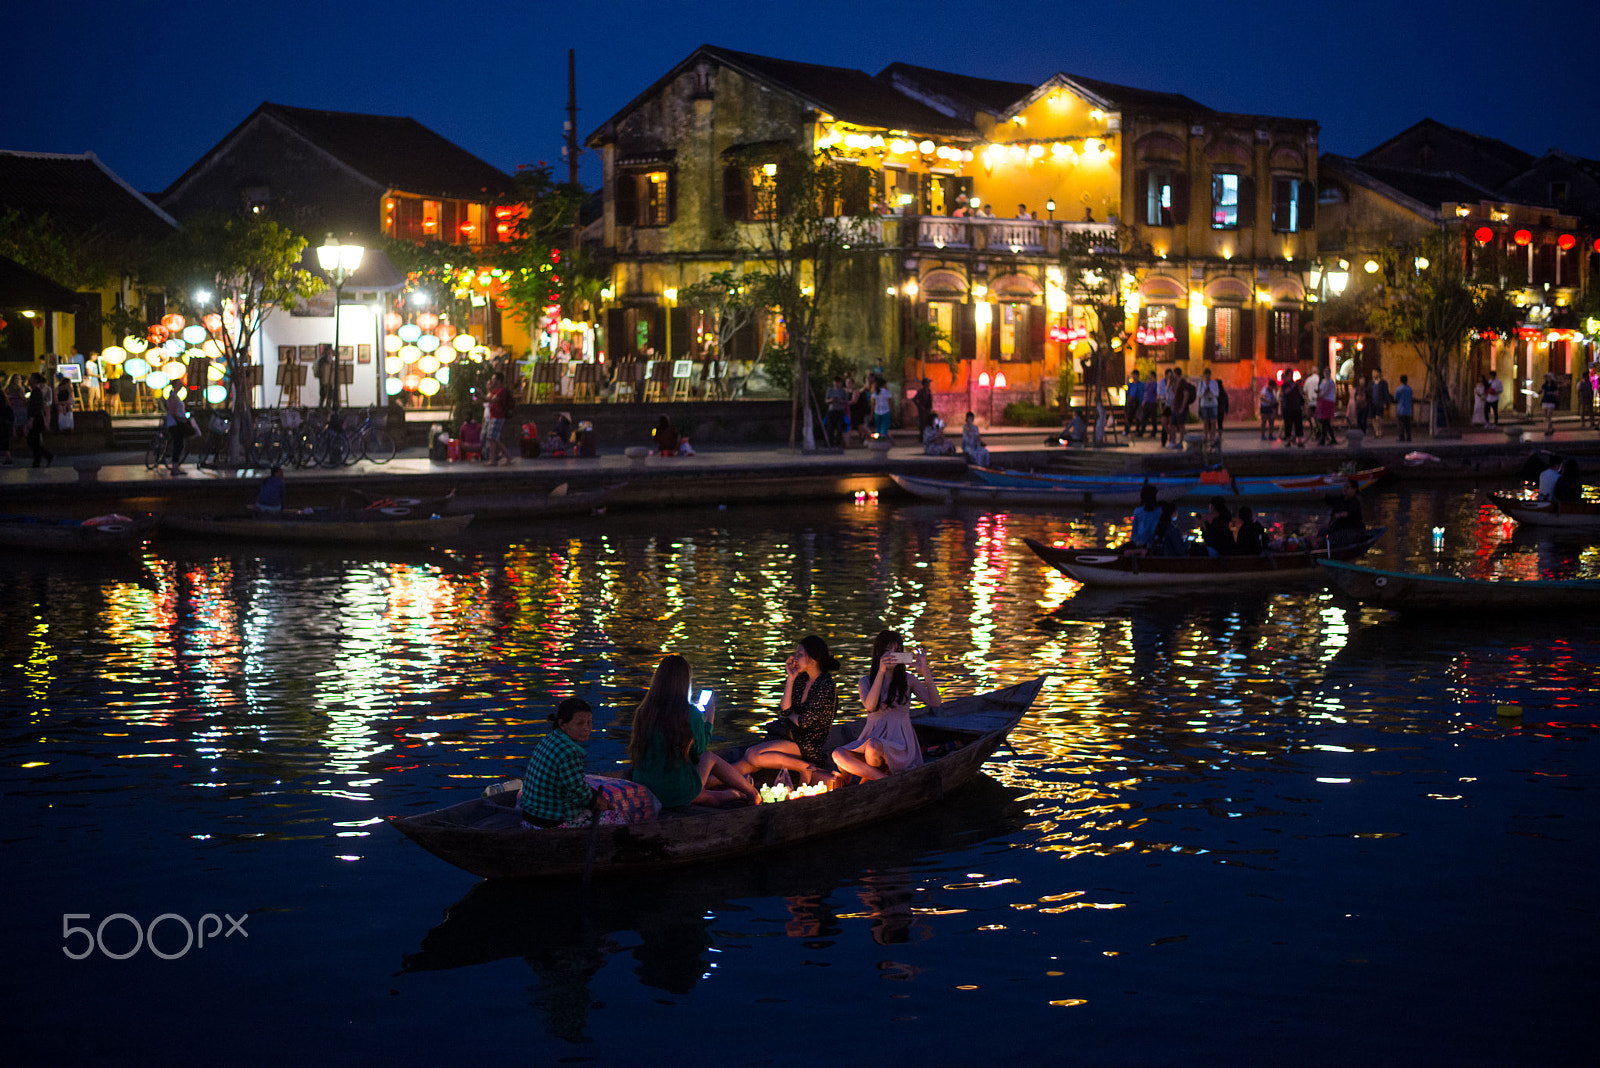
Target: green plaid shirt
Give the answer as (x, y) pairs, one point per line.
(553, 786)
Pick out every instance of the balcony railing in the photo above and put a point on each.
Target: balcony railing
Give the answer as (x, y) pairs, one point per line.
(1016, 236)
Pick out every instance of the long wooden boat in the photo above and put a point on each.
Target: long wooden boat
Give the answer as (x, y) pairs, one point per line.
(1410, 592)
(1197, 487)
(1102, 566)
(341, 527)
(1549, 513)
(498, 506)
(485, 835)
(1041, 495)
(103, 534)
(1426, 466)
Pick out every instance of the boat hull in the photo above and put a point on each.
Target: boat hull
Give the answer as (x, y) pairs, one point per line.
(37, 535)
(484, 835)
(1409, 592)
(1042, 495)
(1549, 513)
(1246, 489)
(346, 529)
(1109, 567)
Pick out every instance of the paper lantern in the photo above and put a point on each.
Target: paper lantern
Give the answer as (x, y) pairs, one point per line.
(409, 332)
(445, 332)
(173, 322)
(114, 354)
(463, 342)
(1522, 237)
(194, 334)
(216, 393)
(157, 333)
(195, 354)
(136, 368)
(157, 381)
(393, 365)
(175, 369)
(216, 372)
(427, 343)
(1483, 235)
(172, 346)
(135, 344)
(213, 322)
(411, 382)
(392, 321)
(428, 387)
(427, 365)
(212, 349)
(391, 386)
(392, 343)
(443, 375)
(1566, 242)
(426, 321)
(410, 353)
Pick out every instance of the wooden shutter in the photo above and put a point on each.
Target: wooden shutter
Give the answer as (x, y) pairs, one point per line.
(1247, 201)
(626, 199)
(735, 202)
(967, 331)
(1036, 330)
(617, 346)
(996, 311)
(656, 317)
(671, 214)
(1247, 332)
(682, 339)
(1180, 330)
(1141, 197)
(1209, 352)
(1544, 264)
(1180, 199)
(1308, 205)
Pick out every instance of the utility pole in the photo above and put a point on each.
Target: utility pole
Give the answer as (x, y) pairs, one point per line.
(570, 150)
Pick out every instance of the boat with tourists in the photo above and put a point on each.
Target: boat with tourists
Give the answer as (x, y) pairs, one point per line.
(1409, 591)
(113, 534)
(1581, 513)
(485, 835)
(1041, 493)
(1108, 566)
(1196, 486)
(323, 525)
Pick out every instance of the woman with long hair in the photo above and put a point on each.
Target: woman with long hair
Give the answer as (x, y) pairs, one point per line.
(888, 742)
(670, 745)
(809, 706)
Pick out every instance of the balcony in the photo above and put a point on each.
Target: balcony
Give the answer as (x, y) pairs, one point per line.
(1019, 237)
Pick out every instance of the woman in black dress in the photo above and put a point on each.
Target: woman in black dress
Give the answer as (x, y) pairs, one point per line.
(810, 704)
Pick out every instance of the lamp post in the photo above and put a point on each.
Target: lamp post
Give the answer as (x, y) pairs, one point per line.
(340, 262)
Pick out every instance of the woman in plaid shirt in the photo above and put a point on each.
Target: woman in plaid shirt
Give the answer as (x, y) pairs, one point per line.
(553, 788)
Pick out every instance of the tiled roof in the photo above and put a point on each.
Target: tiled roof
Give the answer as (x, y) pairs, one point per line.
(1508, 154)
(81, 195)
(1124, 96)
(985, 94)
(1428, 190)
(392, 151)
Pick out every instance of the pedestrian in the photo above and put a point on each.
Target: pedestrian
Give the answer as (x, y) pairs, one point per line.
(324, 371)
(1150, 410)
(1547, 400)
(860, 406)
(923, 399)
(881, 398)
(1360, 405)
(1132, 401)
(1491, 403)
(501, 406)
(1586, 398)
(833, 423)
(1402, 408)
(1294, 412)
(274, 492)
(1480, 400)
(1309, 387)
(1327, 391)
(1381, 400)
(1183, 397)
(1164, 401)
(66, 404)
(178, 427)
(1268, 408)
(1206, 392)
(40, 401)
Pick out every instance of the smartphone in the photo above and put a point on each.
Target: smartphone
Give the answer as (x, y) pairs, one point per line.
(901, 658)
(704, 699)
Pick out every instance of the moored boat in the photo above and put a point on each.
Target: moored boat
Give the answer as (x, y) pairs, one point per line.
(1424, 465)
(102, 534)
(1197, 487)
(497, 506)
(372, 527)
(1104, 566)
(1407, 591)
(1549, 513)
(997, 476)
(485, 835)
(1042, 494)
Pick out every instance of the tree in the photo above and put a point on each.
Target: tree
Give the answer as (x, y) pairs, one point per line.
(77, 261)
(231, 273)
(1094, 271)
(930, 339)
(1432, 299)
(537, 260)
(811, 222)
(731, 298)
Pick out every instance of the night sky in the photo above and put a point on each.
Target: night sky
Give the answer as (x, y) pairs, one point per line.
(149, 93)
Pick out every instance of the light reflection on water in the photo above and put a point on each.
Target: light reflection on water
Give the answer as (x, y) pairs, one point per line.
(280, 704)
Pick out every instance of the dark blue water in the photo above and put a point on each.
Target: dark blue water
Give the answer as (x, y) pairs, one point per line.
(1254, 827)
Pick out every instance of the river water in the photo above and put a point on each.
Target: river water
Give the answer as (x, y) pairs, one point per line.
(1249, 827)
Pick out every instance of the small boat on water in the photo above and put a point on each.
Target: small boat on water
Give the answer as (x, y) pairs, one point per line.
(102, 534)
(1200, 486)
(1041, 494)
(1549, 513)
(1426, 466)
(499, 506)
(326, 526)
(1407, 591)
(485, 835)
(1104, 566)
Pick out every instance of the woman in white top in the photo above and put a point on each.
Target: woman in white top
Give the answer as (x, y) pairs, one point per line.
(888, 742)
(1479, 392)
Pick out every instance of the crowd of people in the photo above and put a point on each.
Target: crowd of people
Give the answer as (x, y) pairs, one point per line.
(35, 406)
(672, 764)
(1158, 530)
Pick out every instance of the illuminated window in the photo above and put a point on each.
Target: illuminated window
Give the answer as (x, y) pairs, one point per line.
(1010, 316)
(943, 315)
(1290, 207)
(1158, 199)
(645, 198)
(1224, 202)
(430, 218)
(1225, 342)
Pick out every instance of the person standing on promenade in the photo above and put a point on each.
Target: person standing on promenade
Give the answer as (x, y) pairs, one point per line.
(178, 428)
(1547, 400)
(1294, 416)
(1586, 398)
(1268, 408)
(500, 408)
(1327, 392)
(881, 398)
(1150, 410)
(40, 401)
(833, 424)
(1207, 394)
(1164, 400)
(923, 399)
(1183, 395)
(1491, 402)
(1402, 408)
(1379, 403)
(1132, 401)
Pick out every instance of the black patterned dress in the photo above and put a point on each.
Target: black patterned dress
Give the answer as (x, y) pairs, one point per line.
(814, 714)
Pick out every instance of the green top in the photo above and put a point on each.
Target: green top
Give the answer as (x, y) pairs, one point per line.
(553, 787)
(674, 782)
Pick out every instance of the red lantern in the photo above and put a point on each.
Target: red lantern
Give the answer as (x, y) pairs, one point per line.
(213, 323)
(1597, 244)
(1483, 234)
(392, 321)
(1522, 237)
(173, 322)
(427, 321)
(1565, 242)
(158, 333)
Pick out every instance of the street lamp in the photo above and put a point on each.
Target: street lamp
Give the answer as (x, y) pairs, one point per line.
(1050, 206)
(340, 262)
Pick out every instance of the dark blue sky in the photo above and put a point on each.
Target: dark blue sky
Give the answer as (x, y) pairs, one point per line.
(149, 88)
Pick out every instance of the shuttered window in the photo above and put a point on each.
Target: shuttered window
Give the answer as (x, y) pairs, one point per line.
(1224, 202)
(1159, 198)
(645, 198)
(1292, 205)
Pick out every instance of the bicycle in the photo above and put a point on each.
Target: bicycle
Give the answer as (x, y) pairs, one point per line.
(369, 441)
(155, 455)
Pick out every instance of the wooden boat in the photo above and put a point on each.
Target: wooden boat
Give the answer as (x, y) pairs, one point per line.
(1248, 489)
(342, 527)
(1410, 592)
(1426, 466)
(103, 534)
(498, 506)
(1109, 567)
(1549, 513)
(485, 835)
(1042, 495)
